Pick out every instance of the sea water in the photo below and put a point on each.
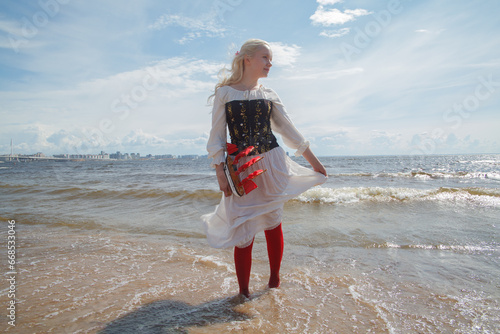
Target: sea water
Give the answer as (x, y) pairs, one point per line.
(389, 244)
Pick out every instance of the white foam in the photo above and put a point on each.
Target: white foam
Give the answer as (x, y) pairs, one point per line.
(211, 260)
(349, 195)
(493, 176)
(426, 176)
(455, 248)
(354, 195)
(379, 307)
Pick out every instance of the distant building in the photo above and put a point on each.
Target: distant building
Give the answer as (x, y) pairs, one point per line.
(117, 155)
(135, 156)
(102, 156)
(164, 156)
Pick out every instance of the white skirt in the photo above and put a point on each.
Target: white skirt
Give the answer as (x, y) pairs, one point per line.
(236, 220)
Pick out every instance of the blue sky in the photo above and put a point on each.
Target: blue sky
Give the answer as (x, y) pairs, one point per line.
(357, 77)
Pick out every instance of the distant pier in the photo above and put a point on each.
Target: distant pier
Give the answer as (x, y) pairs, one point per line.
(26, 158)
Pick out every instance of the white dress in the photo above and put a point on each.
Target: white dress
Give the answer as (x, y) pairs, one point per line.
(236, 220)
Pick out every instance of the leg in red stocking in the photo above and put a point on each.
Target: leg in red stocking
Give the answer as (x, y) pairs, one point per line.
(243, 264)
(274, 240)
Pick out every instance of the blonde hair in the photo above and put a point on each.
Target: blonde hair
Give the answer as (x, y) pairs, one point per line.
(238, 65)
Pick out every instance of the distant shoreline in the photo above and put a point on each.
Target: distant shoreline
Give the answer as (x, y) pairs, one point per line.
(30, 158)
(149, 157)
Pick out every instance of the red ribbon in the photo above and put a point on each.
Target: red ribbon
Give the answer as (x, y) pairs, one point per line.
(247, 164)
(248, 184)
(243, 153)
(231, 148)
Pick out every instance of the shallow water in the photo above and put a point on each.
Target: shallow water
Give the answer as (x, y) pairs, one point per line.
(387, 245)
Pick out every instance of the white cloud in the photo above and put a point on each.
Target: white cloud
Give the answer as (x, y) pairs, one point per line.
(39, 138)
(205, 26)
(335, 33)
(16, 37)
(283, 54)
(348, 140)
(317, 74)
(328, 2)
(167, 98)
(427, 31)
(328, 17)
(424, 143)
(139, 138)
(380, 140)
(10, 31)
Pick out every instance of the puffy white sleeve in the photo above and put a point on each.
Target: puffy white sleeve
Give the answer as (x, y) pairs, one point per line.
(283, 125)
(216, 145)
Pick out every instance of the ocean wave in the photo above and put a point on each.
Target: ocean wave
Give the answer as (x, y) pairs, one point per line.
(181, 195)
(421, 175)
(457, 248)
(488, 161)
(73, 192)
(489, 197)
(347, 195)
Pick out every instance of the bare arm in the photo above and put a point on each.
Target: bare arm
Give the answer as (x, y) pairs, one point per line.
(313, 160)
(221, 178)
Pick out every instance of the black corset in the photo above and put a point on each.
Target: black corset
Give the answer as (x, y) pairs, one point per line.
(249, 123)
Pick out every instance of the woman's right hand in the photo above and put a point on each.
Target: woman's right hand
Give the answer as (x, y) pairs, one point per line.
(314, 162)
(221, 178)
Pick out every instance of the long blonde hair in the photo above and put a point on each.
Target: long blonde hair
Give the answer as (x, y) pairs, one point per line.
(238, 65)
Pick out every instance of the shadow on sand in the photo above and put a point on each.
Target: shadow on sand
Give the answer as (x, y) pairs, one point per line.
(170, 316)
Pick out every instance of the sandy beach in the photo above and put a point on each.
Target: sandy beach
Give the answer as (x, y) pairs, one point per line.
(387, 245)
(88, 282)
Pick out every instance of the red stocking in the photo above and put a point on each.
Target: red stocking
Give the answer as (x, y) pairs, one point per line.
(243, 264)
(274, 240)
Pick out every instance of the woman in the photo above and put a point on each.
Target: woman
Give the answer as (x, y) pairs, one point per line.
(251, 113)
